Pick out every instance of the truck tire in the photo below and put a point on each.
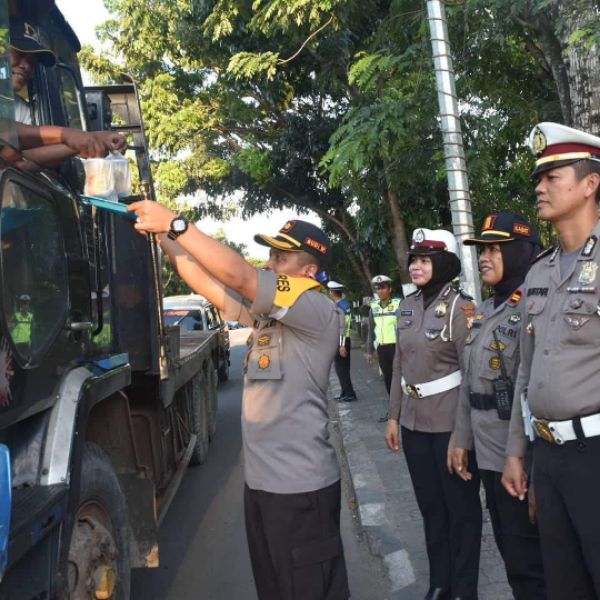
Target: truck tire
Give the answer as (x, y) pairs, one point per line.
(98, 561)
(213, 403)
(224, 369)
(200, 414)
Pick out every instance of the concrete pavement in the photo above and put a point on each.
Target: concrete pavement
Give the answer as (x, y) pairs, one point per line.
(384, 495)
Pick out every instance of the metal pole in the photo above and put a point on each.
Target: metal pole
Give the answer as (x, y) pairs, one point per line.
(458, 182)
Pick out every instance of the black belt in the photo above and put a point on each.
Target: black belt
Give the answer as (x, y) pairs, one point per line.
(483, 401)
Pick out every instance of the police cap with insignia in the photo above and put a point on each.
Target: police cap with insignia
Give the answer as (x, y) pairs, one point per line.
(24, 38)
(380, 281)
(557, 146)
(504, 227)
(432, 241)
(299, 236)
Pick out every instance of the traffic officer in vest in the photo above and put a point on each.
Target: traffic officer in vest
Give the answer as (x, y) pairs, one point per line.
(21, 329)
(342, 358)
(292, 495)
(507, 246)
(382, 327)
(557, 393)
(432, 330)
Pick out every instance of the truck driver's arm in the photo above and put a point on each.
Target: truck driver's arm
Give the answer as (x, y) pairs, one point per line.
(220, 261)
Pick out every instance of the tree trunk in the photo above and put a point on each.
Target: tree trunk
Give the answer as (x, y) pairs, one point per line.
(581, 61)
(398, 234)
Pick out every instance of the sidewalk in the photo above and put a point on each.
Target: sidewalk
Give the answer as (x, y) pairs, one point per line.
(385, 499)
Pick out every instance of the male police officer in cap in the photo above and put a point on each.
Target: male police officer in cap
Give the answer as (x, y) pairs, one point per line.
(342, 358)
(292, 492)
(557, 393)
(382, 327)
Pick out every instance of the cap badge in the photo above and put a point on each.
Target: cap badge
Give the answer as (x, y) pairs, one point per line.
(419, 236)
(588, 272)
(489, 222)
(30, 31)
(539, 142)
(441, 309)
(287, 227)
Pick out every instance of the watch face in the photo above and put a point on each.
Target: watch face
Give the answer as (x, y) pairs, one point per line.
(178, 225)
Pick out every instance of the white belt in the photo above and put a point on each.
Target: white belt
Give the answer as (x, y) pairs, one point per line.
(437, 386)
(559, 432)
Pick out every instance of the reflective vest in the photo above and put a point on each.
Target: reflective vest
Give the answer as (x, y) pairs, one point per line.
(21, 331)
(344, 306)
(385, 319)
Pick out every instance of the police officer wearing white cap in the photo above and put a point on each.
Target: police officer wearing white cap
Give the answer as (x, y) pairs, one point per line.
(557, 393)
(382, 327)
(432, 329)
(342, 358)
(507, 246)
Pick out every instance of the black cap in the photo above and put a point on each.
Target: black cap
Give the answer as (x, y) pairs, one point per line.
(505, 227)
(24, 38)
(299, 236)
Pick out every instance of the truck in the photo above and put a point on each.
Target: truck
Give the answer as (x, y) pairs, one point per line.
(102, 406)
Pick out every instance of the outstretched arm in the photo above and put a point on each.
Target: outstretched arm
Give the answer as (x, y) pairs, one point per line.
(216, 259)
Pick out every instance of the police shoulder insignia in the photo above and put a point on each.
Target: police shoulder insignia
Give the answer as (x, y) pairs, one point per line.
(289, 289)
(264, 362)
(515, 298)
(588, 249)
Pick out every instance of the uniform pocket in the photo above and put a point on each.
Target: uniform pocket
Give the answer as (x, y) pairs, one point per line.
(264, 357)
(318, 570)
(581, 325)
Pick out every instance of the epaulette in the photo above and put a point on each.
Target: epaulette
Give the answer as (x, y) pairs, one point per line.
(545, 252)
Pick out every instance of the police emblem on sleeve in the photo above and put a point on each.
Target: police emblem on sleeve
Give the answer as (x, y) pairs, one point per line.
(264, 361)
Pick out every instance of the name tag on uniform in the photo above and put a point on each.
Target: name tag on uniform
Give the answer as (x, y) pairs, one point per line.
(537, 292)
(406, 313)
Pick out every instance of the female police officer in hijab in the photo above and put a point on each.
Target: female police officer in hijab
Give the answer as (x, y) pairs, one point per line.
(432, 329)
(508, 245)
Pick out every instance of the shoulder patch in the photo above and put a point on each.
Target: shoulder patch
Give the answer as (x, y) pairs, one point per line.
(515, 298)
(543, 253)
(289, 289)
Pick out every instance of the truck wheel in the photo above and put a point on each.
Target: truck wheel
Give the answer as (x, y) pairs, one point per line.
(200, 400)
(98, 561)
(224, 369)
(213, 403)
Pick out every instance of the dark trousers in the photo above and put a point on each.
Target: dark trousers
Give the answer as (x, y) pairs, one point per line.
(385, 356)
(342, 370)
(295, 544)
(567, 489)
(451, 511)
(517, 539)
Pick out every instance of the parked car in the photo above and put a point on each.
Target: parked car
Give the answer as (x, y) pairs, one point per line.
(193, 313)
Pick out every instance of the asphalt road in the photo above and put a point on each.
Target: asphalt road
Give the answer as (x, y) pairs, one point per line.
(203, 553)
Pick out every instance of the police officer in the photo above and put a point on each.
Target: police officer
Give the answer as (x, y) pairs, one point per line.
(382, 327)
(432, 329)
(342, 358)
(557, 394)
(292, 493)
(21, 327)
(507, 244)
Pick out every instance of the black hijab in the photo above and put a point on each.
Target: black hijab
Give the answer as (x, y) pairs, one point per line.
(445, 267)
(517, 256)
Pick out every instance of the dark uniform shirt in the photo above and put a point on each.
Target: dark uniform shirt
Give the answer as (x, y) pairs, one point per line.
(560, 342)
(481, 365)
(425, 353)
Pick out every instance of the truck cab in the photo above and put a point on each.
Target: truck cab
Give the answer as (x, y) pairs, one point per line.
(101, 406)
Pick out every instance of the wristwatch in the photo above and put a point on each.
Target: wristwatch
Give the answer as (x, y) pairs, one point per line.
(179, 226)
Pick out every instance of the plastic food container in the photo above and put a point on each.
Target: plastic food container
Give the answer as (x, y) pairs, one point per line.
(121, 175)
(99, 179)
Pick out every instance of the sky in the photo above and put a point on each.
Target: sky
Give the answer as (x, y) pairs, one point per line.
(84, 16)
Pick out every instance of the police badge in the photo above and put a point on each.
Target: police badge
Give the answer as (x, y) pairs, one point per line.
(441, 309)
(538, 141)
(588, 272)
